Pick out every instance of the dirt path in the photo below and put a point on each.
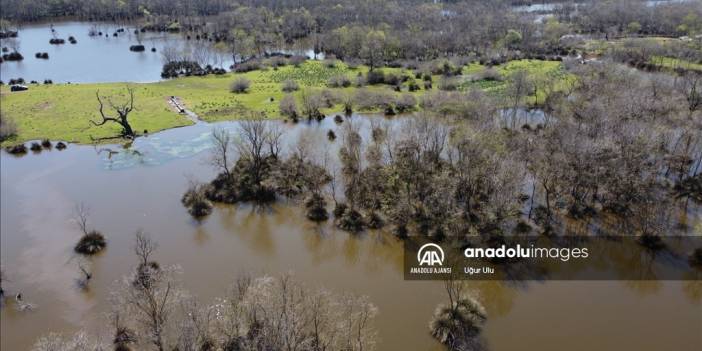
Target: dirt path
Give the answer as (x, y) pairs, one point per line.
(178, 105)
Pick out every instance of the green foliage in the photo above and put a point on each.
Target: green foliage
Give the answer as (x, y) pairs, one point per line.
(512, 38)
(308, 74)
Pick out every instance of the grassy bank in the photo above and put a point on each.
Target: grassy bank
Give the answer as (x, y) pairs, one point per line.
(63, 111)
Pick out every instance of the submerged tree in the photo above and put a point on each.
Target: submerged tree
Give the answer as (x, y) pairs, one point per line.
(148, 299)
(92, 240)
(122, 109)
(458, 323)
(266, 313)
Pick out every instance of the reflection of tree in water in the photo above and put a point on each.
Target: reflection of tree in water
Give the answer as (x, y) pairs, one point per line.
(692, 288)
(644, 287)
(350, 249)
(126, 153)
(496, 296)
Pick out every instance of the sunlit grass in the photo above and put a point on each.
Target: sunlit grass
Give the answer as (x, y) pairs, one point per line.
(63, 111)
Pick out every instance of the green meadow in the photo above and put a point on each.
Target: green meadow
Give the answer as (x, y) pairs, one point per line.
(64, 111)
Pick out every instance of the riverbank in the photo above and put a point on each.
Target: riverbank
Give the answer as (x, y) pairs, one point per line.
(63, 111)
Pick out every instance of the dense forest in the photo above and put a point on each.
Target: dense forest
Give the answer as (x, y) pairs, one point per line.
(387, 30)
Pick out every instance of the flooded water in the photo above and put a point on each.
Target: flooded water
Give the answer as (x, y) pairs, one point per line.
(93, 59)
(106, 58)
(142, 189)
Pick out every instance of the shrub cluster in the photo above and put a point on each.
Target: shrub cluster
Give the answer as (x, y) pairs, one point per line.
(91, 243)
(240, 85)
(13, 56)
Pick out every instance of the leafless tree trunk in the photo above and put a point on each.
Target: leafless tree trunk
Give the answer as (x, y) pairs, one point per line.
(122, 109)
(222, 147)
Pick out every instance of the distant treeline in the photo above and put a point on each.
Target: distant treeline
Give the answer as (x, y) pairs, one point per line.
(386, 30)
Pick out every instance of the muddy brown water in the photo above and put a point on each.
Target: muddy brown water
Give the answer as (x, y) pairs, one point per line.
(142, 190)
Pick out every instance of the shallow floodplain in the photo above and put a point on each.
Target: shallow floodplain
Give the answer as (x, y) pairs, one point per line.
(130, 191)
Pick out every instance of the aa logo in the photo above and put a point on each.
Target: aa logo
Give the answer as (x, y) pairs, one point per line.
(430, 255)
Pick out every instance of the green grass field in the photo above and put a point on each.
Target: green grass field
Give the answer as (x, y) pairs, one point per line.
(673, 63)
(539, 72)
(63, 111)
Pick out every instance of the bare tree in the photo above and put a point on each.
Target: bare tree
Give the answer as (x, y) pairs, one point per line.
(257, 140)
(690, 86)
(81, 214)
(520, 85)
(121, 109)
(80, 341)
(220, 158)
(311, 103)
(144, 246)
(170, 53)
(149, 298)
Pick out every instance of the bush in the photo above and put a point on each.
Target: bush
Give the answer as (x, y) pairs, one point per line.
(405, 103)
(360, 81)
(339, 81)
(316, 208)
(247, 66)
(177, 68)
(448, 84)
(375, 221)
(36, 147)
(367, 99)
(412, 85)
(288, 107)
(375, 77)
(297, 60)
(91, 243)
(289, 86)
(490, 74)
(13, 56)
(240, 85)
(329, 98)
(458, 325)
(392, 79)
(446, 68)
(389, 110)
(351, 220)
(339, 210)
(330, 63)
(277, 61)
(352, 63)
(196, 202)
(18, 149)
